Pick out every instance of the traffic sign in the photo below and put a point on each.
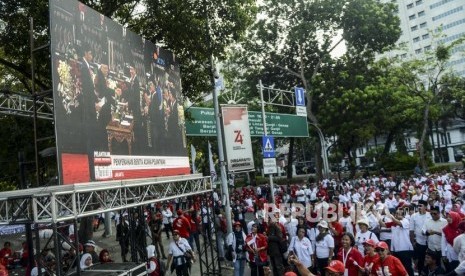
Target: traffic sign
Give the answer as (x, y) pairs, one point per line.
(269, 166)
(299, 96)
(268, 147)
(301, 111)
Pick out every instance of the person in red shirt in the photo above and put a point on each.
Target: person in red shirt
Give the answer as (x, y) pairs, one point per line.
(349, 255)
(336, 230)
(6, 254)
(388, 264)
(371, 258)
(195, 222)
(256, 245)
(182, 224)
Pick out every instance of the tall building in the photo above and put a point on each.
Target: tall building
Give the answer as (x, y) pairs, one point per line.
(422, 20)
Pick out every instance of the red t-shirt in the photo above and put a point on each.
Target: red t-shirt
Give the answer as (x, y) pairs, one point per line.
(391, 266)
(370, 263)
(182, 224)
(353, 259)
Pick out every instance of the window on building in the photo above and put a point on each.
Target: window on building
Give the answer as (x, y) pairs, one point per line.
(414, 28)
(422, 13)
(447, 13)
(418, 51)
(448, 138)
(425, 36)
(416, 39)
(409, 6)
(411, 17)
(427, 48)
(360, 151)
(403, 56)
(418, 2)
(423, 25)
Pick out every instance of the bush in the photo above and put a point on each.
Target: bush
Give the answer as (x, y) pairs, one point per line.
(440, 168)
(398, 162)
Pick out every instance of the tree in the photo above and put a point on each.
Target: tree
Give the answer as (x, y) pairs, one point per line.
(292, 41)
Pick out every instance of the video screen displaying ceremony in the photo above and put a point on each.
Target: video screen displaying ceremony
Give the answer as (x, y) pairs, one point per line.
(117, 99)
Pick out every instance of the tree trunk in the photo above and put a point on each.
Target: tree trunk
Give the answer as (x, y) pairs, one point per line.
(422, 137)
(389, 140)
(290, 158)
(431, 134)
(438, 150)
(318, 162)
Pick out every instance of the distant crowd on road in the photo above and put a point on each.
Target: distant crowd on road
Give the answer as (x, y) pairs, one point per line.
(411, 226)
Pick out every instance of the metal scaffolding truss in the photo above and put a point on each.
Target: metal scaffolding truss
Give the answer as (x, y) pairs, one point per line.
(68, 202)
(23, 105)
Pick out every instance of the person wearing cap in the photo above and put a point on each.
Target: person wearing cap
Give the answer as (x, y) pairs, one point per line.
(90, 248)
(324, 246)
(401, 246)
(334, 268)
(417, 221)
(180, 255)
(432, 229)
(256, 245)
(363, 234)
(182, 225)
(349, 255)
(301, 247)
(388, 264)
(371, 258)
(236, 244)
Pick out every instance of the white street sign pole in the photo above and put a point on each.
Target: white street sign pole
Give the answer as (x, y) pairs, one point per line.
(266, 134)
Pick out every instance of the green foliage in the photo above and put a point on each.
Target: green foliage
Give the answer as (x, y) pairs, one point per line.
(439, 169)
(398, 162)
(7, 186)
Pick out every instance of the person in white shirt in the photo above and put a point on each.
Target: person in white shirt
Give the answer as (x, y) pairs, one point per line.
(363, 235)
(324, 246)
(417, 221)
(418, 196)
(401, 246)
(236, 243)
(300, 194)
(177, 251)
(433, 230)
(390, 202)
(346, 221)
(167, 220)
(301, 247)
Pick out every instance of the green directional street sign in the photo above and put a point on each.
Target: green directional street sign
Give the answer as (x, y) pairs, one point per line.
(201, 122)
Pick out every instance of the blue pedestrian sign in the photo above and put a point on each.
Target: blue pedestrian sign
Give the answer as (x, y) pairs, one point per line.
(299, 96)
(268, 147)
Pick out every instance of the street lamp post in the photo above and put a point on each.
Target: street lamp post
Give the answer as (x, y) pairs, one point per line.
(324, 147)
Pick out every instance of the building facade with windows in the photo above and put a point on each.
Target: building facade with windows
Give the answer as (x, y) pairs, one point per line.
(423, 20)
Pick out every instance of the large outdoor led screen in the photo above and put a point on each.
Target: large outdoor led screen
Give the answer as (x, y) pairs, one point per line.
(117, 100)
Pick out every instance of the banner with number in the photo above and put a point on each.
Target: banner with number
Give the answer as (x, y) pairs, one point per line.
(237, 138)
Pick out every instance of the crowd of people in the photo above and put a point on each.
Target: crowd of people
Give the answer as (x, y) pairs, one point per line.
(376, 225)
